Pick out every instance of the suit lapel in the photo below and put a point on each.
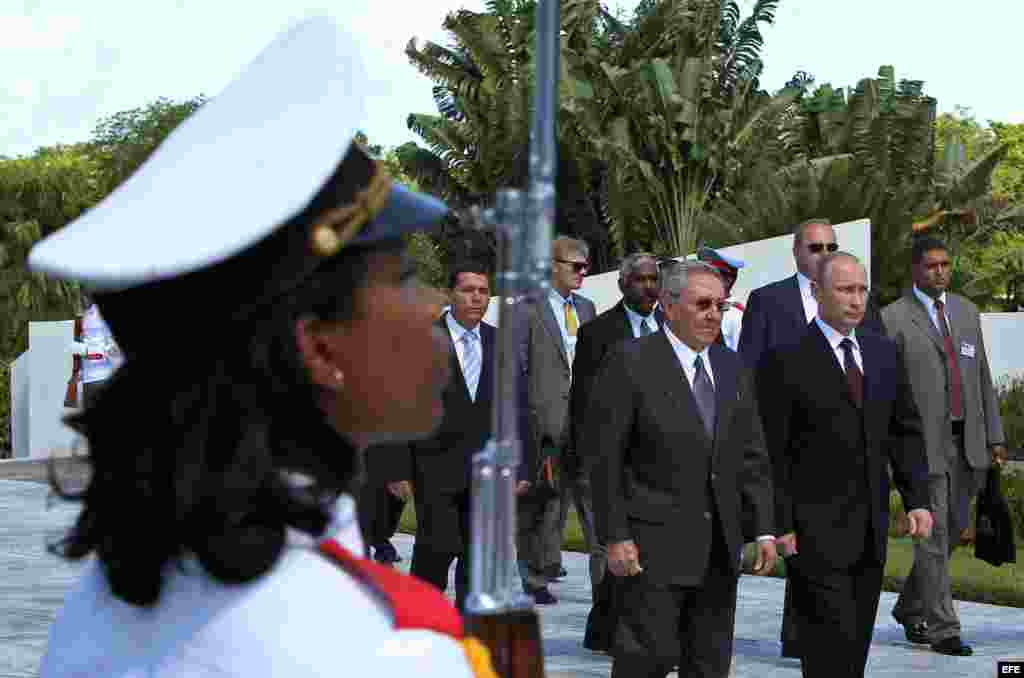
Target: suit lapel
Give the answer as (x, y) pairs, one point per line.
(677, 386)
(830, 365)
(725, 390)
(872, 372)
(919, 316)
(954, 318)
(796, 304)
(625, 327)
(547, 315)
(485, 387)
(459, 377)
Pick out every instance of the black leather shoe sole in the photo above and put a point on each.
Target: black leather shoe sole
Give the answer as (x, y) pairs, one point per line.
(918, 633)
(543, 597)
(954, 647)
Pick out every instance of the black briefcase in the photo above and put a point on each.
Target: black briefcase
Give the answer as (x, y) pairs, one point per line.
(604, 616)
(994, 542)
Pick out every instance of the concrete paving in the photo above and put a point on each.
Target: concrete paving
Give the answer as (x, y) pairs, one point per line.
(32, 583)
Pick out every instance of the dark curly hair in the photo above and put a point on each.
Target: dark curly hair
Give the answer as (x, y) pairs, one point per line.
(193, 455)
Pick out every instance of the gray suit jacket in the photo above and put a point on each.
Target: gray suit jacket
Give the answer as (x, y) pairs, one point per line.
(921, 347)
(549, 371)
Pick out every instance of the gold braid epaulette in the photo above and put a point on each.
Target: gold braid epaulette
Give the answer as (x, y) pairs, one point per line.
(337, 226)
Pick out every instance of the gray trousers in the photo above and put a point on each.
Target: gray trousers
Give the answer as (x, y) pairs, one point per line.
(927, 594)
(578, 495)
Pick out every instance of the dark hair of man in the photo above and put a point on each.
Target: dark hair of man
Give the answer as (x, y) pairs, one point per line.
(798, 232)
(192, 455)
(923, 245)
(467, 266)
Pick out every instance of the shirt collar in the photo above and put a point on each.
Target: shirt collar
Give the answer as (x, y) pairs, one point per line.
(805, 284)
(456, 329)
(928, 302)
(636, 318)
(555, 296)
(833, 337)
(688, 354)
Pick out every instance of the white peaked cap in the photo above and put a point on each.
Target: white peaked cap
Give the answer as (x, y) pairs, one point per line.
(232, 173)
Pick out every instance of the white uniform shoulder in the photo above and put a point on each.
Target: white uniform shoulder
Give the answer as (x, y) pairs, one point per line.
(307, 617)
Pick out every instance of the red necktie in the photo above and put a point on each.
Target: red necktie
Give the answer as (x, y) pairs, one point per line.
(854, 377)
(956, 408)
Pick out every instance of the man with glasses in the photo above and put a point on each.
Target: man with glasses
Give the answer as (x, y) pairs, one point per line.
(729, 268)
(779, 314)
(550, 345)
(678, 457)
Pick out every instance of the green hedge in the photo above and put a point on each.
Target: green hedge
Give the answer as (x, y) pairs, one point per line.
(1011, 407)
(1013, 489)
(5, 408)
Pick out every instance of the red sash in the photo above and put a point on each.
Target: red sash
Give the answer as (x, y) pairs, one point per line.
(414, 604)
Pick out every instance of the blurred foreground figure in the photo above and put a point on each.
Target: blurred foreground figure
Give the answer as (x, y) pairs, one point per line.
(263, 223)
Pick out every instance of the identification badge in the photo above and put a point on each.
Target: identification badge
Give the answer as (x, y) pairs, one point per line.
(966, 350)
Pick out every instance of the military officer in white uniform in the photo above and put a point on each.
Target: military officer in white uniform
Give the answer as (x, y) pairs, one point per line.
(217, 532)
(729, 268)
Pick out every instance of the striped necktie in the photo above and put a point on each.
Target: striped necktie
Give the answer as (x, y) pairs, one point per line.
(471, 362)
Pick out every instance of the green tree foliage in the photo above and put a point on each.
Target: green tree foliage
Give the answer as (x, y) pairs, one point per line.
(122, 142)
(41, 193)
(1008, 179)
(655, 112)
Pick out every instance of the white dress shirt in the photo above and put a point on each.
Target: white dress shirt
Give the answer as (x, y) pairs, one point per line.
(929, 305)
(636, 320)
(687, 356)
(457, 331)
(835, 339)
(807, 296)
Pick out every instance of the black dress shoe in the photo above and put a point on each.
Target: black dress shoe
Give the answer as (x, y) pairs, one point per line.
(386, 554)
(555, 572)
(953, 647)
(917, 633)
(542, 596)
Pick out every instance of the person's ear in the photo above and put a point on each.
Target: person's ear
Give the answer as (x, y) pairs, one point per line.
(314, 342)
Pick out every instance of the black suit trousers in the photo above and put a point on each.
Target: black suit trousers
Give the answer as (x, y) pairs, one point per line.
(663, 625)
(431, 563)
(834, 611)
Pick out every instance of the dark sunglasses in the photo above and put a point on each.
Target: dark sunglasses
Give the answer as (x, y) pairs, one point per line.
(578, 266)
(817, 247)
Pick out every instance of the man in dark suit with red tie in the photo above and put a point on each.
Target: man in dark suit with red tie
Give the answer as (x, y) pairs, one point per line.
(777, 314)
(837, 407)
(678, 456)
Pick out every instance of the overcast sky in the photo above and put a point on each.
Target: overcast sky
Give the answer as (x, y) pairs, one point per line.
(66, 63)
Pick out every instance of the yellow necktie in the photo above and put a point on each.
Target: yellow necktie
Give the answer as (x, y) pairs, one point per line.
(570, 319)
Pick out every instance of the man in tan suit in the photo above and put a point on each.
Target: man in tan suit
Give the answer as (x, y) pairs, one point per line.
(550, 346)
(939, 335)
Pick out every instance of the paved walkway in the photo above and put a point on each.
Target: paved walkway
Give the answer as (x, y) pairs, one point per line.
(32, 584)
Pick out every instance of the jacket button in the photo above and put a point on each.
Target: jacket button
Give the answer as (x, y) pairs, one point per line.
(707, 515)
(714, 476)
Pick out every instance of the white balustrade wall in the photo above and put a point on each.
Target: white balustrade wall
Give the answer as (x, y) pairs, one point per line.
(39, 376)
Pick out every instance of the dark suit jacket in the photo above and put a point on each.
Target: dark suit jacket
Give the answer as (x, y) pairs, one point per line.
(774, 315)
(657, 477)
(829, 456)
(593, 342)
(442, 464)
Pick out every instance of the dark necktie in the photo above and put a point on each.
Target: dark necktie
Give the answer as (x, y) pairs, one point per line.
(704, 393)
(854, 377)
(952, 365)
